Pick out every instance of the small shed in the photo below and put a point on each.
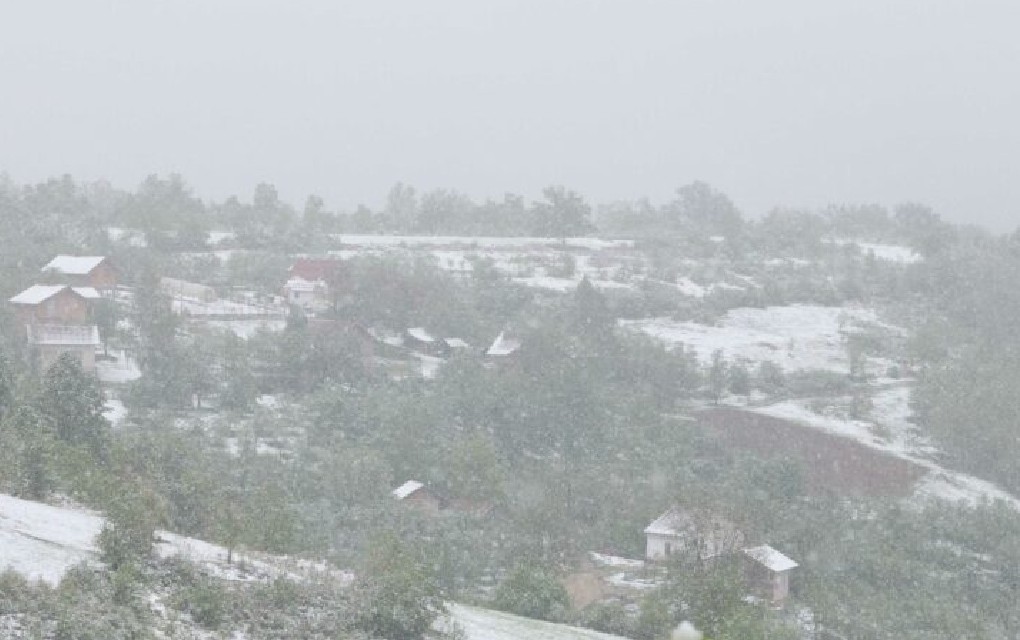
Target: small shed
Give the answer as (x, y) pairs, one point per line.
(415, 494)
(768, 573)
(683, 531)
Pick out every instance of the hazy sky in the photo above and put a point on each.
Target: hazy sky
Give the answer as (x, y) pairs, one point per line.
(785, 102)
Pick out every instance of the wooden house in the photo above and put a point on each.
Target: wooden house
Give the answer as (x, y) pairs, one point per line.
(83, 271)
(54, 304)
(58, 319)
(415, 494)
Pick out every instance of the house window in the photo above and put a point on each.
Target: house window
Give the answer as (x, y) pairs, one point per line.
(669, 548)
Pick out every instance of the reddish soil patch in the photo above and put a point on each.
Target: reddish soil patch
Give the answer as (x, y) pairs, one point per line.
(584, 588)
(831, 464)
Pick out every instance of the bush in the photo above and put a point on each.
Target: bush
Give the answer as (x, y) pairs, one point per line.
(532, 592)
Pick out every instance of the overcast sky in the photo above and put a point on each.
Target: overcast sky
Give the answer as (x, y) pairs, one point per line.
(785, 102)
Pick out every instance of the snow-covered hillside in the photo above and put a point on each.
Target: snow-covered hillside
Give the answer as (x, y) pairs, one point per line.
(486, 624)
(42, 541)
(795, 337)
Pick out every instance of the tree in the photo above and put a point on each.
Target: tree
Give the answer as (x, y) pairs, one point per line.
(717, 377)
(739, 379)
(532, 592)
(700, 207)
(240, 389)
(106, 314)
(592, 315)
(72, 404)
(396, 593)
(6, 386)
(402, 208)
(564, 213)
(167, 212)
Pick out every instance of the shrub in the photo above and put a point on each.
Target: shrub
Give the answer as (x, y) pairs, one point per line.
(532, 592)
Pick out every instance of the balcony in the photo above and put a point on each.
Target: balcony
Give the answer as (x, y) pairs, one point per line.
(63, 334)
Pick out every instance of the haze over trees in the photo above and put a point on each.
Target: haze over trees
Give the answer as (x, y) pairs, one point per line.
(289, 440)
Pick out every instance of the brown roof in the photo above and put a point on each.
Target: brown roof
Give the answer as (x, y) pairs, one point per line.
(314, 268)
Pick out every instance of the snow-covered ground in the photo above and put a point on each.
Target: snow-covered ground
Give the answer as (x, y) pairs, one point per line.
(796, 337)
(42, 541)
(247, 329)
(891, 252)
(503, 242)
(566, 284)
(121, 369)
(887, 252)
(615, 561)
(486, 624)
(115, 411)
(199, 308)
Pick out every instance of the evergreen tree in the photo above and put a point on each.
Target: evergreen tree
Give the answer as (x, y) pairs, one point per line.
(72, 405)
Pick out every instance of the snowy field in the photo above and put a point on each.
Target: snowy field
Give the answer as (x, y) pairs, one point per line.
(486, 624)
(502, 242)
(42, 542)
(121, 369)
(886, 252)
(796, 337)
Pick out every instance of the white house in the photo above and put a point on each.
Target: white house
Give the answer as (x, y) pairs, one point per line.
(682, 531)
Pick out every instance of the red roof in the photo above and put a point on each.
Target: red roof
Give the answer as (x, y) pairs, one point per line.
(314, 269)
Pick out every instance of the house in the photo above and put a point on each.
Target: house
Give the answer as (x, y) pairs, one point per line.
(57, 319)
(54, 304)
(312, 283)
(680, 531)
(415, 494)
(83, 271)
(767, 572)
(306, 294)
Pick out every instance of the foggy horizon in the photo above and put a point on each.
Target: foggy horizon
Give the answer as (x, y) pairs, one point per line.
(791, 105)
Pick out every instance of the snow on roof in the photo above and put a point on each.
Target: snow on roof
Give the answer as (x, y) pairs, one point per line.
(406, 489)
(88, 293)
(74, 265)
(770, 558)
(419, 333)
(503, 346)
(456, 343)
(37, 293)
(673, 522)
